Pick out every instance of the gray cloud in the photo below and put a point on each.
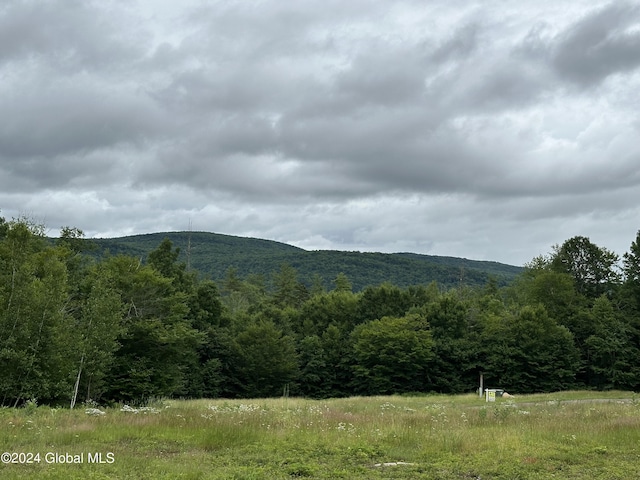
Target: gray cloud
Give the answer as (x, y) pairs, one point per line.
(603, 43)
(70, 36)
(484, 130)
(461, 44)
(67, 118)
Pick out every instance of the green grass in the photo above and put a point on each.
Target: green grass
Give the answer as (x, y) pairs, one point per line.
(562, 435)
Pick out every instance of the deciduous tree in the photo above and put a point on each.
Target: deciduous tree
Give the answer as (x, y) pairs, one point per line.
(392, 355)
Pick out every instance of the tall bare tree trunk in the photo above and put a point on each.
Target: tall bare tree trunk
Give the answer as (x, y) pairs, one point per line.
(77, 385)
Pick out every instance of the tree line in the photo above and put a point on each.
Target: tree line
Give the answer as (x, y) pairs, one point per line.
(74, 328)
(212, 254)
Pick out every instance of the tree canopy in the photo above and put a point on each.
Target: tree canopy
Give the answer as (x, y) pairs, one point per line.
(76, 328)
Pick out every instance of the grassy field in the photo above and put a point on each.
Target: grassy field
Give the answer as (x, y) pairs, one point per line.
(569, 435)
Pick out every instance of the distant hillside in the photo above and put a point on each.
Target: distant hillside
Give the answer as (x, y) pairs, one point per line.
(211, 254)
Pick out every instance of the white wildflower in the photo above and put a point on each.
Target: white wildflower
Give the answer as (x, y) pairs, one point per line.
(96, 412)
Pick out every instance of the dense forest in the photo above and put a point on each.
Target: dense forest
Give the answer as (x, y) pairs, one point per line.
(212, 254)
(77, 328)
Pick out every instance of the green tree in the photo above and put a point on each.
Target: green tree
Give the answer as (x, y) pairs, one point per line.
(205, 306)
(631, 271)
(4, 228)
(164, 259)
(242, 296)
(36, 338)
(317, 285)
(158, 344)
(631, 261)
(266, 360)
(385, 300)
(218, 358)
(613, 359)
(528, 352)
(315, 371)
(332, 308)
(288, 291)
(98, 326)
(338, 350)
(420, 295)
(342, 283)
(232, 282)
(455, 364)
(593, 268)
(391, 355)
(73, 239)
(555, 290)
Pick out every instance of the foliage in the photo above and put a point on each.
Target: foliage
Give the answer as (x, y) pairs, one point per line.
(36, 334)
(98, 327)
(391, 355)
(454, 366)
(593, 268)
(77, 326)
(613, 356)
(213, 255)
(266, 360)
(529, 351)
(158, 343)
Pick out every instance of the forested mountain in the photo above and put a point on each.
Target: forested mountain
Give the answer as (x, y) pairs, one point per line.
(78, 325)
(213, 254)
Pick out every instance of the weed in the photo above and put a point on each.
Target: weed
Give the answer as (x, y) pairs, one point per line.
(30, 406)
(448, 437)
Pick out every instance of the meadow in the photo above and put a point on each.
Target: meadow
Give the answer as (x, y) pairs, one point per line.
(568, 435)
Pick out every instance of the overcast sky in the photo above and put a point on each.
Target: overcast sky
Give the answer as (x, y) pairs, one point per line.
(489, 130)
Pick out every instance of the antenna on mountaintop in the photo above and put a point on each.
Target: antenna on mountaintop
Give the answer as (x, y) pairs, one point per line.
(189, 248)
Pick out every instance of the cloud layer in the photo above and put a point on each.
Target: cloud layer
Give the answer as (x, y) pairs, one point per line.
(485, 130)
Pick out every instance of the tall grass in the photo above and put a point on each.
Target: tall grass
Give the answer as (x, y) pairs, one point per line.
(447, 437)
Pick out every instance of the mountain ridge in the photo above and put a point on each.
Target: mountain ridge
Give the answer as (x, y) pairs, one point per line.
(212, 254)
